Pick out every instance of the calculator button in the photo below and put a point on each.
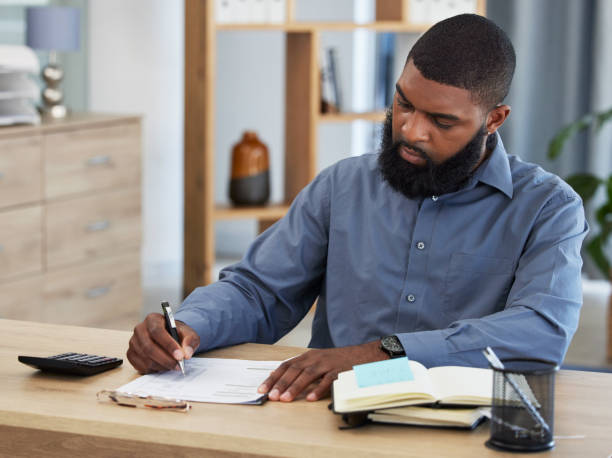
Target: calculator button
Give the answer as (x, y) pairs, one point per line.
(94, 360)
(72, 358)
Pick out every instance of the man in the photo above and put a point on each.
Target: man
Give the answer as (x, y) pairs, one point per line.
(438, 246)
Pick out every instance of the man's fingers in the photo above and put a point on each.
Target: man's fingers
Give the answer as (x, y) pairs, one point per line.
(288, 378)
(272, 378)
(323, 388)
(190, 341)
(156, 325)
(142, 365)
(305, 378)
(151, 350)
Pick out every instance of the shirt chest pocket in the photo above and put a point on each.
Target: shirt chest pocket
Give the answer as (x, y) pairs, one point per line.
(476, 286)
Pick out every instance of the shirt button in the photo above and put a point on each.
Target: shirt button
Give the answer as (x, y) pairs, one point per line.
(410, 298)
(421, 246)
(434, 198)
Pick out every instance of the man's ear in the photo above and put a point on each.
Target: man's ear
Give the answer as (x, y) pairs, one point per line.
(496, 117)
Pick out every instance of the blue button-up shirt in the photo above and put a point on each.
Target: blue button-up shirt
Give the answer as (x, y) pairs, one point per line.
(496, 263)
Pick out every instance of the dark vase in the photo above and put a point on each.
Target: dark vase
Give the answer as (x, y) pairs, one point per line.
(250, 180)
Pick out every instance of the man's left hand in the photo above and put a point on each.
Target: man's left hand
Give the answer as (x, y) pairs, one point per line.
(317, 366)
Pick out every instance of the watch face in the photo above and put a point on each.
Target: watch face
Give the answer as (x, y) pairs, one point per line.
(392, 345)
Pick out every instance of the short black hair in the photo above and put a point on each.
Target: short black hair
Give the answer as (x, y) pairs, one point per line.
(470, 52)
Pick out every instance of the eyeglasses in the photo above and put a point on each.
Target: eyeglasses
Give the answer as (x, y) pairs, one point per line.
(135, 400)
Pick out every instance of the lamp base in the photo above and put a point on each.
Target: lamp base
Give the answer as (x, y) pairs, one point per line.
(52, 95)
(54, 112)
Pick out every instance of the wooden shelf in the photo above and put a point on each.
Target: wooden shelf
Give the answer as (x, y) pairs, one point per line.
(374, 116)
(302, 117)
(267, 212)
(379, 26)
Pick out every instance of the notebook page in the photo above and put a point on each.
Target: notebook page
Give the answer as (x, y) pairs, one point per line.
(462, 385)
(349, 397)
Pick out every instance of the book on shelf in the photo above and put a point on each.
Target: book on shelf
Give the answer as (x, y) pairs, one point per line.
(384, 79)
(432, 11)
(331, 98)
(250, 11)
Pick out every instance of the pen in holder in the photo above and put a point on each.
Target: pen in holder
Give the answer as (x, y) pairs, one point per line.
(522, 412)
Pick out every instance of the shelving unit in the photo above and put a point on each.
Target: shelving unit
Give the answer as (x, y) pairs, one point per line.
(302, 118)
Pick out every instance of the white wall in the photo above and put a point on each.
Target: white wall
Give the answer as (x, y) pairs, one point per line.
(136, 66)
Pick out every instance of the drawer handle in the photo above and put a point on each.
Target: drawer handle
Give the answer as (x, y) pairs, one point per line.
(98, 226)
(99, 291)
(96, 161)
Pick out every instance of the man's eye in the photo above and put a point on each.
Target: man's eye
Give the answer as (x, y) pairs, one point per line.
(442, 125)
(406, 105)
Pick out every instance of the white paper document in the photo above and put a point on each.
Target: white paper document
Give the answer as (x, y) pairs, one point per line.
(228, 381)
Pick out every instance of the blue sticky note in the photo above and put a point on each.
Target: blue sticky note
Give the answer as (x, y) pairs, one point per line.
(381, 372)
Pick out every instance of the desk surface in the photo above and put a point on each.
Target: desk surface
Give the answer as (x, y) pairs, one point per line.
(54, 415)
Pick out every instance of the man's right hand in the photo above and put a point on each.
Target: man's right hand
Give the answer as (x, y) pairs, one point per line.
(152, 349)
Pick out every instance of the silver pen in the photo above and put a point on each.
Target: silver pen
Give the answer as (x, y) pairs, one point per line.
(495, 363)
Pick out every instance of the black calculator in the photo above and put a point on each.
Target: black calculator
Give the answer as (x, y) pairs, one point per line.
(72, 363)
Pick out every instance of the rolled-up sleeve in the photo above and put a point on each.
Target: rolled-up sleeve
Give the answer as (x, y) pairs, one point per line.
(543, 305)
(271, 289)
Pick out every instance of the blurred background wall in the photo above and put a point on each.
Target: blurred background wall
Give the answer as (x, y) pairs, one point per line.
(131, 61)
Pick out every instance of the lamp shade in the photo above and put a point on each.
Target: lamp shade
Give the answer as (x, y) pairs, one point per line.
(53, 28)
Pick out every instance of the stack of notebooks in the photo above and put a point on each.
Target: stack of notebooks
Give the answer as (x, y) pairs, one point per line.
(18, 92)
(449, 396)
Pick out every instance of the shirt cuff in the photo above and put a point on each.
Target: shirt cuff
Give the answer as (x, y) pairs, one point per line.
(429, 348)
(195, 321)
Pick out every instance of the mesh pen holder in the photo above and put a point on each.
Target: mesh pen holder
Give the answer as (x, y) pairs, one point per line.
(522, 415)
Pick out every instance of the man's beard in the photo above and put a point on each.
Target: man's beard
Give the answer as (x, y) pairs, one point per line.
(430, 179)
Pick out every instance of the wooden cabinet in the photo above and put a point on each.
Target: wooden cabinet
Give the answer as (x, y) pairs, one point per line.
(302, 117)
(70, 221)
(20, 170)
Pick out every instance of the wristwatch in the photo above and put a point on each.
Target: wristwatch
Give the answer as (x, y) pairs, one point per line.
(392, 346)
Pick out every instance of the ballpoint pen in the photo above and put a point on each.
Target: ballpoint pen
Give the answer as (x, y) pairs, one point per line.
(171, 328)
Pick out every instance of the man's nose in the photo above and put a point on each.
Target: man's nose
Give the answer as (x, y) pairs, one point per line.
(415, 128)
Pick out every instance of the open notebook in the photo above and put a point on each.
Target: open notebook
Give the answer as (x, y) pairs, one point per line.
(452, 385)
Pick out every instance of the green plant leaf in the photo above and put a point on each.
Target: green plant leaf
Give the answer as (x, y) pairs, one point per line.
(584, 184)
(602, 117)
(604, 214)
(604, 218)
(556, 144)
(609, 188)
(595, 250)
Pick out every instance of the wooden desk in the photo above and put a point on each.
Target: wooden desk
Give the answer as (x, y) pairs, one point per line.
(58, 416)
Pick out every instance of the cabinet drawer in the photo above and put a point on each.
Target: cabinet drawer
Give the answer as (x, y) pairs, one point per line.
(104, 294)
(100, 294)
(92, 159)
(93, 227)
(20, 241)
(20, 170)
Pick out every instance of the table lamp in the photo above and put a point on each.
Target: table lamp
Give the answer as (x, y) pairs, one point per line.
(53, 29)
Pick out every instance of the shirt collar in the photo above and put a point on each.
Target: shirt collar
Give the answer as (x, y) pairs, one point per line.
(496, 170)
